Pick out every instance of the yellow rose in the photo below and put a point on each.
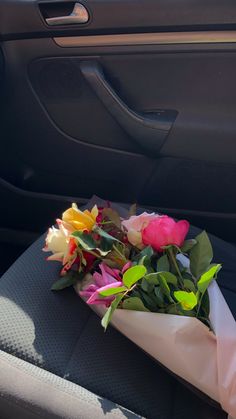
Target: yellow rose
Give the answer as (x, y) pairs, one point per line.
(80, 220)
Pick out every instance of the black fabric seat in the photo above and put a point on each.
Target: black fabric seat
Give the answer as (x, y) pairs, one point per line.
(59, 333)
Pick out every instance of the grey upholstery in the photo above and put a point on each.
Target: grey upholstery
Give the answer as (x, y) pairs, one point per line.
(28, 391)
(60, 334)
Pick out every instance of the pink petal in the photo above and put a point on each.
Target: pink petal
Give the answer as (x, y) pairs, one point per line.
(98, 278)
(113, 272)
(113, 285)
(96, 296)
(126, 267)
(107, 278)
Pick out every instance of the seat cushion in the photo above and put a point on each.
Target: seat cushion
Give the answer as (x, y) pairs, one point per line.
(45, 395)
(59, 333)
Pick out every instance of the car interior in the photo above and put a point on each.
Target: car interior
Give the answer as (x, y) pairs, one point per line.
(133, 101)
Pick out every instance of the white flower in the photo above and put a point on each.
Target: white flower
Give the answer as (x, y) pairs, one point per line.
(57, 242)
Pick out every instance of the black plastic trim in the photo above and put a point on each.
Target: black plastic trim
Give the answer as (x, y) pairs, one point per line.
(120, 16)
(148, 130)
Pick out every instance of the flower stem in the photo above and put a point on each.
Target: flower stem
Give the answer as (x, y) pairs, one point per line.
(119, 253)
(199, 305)
(175, 264)
(94, 254)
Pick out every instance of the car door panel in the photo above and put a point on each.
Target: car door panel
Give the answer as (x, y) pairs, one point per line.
(67, 142)
(28, 19)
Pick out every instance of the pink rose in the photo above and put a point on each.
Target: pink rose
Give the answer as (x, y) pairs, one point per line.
(164, 231)
(134, 226)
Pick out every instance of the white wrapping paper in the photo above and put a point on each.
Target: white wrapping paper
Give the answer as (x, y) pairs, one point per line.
(187, 347)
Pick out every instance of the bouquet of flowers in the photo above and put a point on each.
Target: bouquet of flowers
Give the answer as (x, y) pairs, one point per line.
(140, 273)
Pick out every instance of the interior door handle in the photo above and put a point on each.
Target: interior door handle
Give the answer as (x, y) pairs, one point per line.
(78, 15)
(149, 130)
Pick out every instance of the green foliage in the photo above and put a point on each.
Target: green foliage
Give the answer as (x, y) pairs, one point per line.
(133, 275)
(85, 240)
(147, 251)
(208, 277)
(165, 287)
(147, 286)
(134, 303)
(189, 285)
(188, 300)
(169, 278)
(159, 297)
(201, 255)
(154, 278)
(88, 243)
(163, 264)
(204, 308)
(65, 281)
(146, 261)
(188, 245)
(112, 291)
(105, 246)
(154, 284)
(104, 234)
(108, 315)
(149, 300)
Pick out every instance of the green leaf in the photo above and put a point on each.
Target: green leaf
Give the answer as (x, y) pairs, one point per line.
(169, 277)
(207, 277)
(147, 286)
(134, 303)
(146, 261)
(163, 264)
(205, 305)
(107, 240)
(65, 281)
(159, 297)
(108, 315)
(113, 216)
(189, 285)
(152, 278)
(201, 255)
(85, 240)
(105, 246)
(188, 245)
(104, 234)
(133, 275)
(149, 300)
(188, 300)
(147, 251)
(164, 286)
(112, 291)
